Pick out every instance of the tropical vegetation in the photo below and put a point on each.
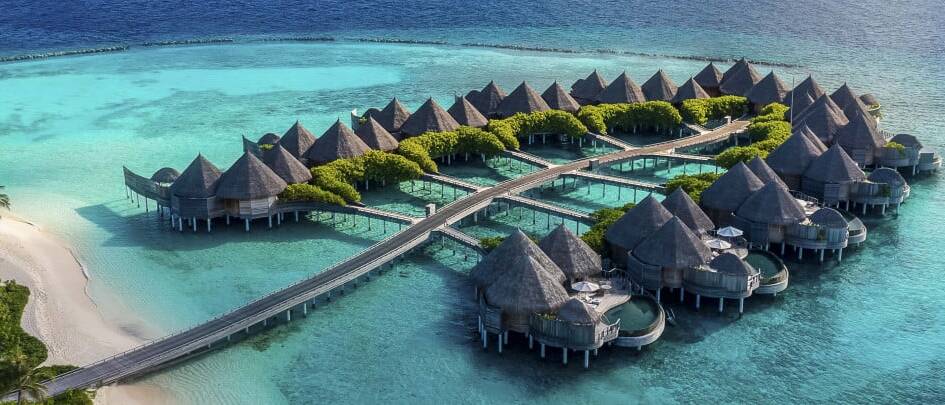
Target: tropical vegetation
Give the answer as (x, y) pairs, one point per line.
(658, 116)
(701, 110)
(603, 219)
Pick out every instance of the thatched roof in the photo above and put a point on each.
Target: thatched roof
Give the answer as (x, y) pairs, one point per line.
(730, 72)
(689, 90)
(199, 180)
(659, 87)
(834, 166)
(709, 77)
(165, 175)
(621, 90)
(674, 246)
(906, 140)
(338, 142)
(848, 101)
(268, 139)
(860, 133)
(769, 90)
(297, 140)
(373, 134)
(574, 257)
(524, 99)
(392, 117)
(488, 99)
(249, 178)
(740, 81)
(794, 155)
(466, 114)
(681, 206)
(588, 88)
(804, 94)
(869, 99)
(525, 287)
(430, 117)
(251, 147)
(577, 311)
(516, 245)
(829, 217)
(732, 189)
(772, 204)
(764, 172)
(801, 102)
(824, 118)
(730, 263)
(559, 99)
(287, 166)
(638, 223)
(814, 139)
(889, 176)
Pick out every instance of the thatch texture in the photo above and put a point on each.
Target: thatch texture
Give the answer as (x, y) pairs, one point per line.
(287, 166)
(466, 114)
(574, 257)
(773, 205)
(689, 90)
(834, 166)
(488, 99)
(869, 99)
(248, 179)
(828, 217)
(824, 118)
(860, 133)
(525, 288)
(849, 102)
(516, 245)
(710, 77)
(373, 134)
(621, 90)
(673, 246)
(297, 140)
(659, 87)
(392, 117)
(794, 155)
(732, 189)
(732, 70)
(577, 311)
(764, 172)
(802, 96)
(906, 140)
(740, 81)
(681, 206)
(430, 117)
(199, 180)
(268, 139)
(589, 88)
(885, 175)
(338, 142)
(165, 175)
(814, 139)
(638, 223)
(524, 99)
(769, 90)
(559, 99)
(730, 263)
(251, 147)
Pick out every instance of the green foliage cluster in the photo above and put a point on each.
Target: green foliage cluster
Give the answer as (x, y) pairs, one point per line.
(896, 146)
(731, 156)
(308, 192)
(701, 110)
(692, 184)
(265, 147)
(603, 219)
(766, 135)
(338, 177)
(658, 115)
(771, 112)
(422, 149)
(542, 122)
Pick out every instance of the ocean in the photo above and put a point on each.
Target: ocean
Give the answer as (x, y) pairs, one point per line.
(869, 329)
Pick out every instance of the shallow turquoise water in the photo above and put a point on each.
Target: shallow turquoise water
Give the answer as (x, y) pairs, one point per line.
(868, 329)
(658, 172)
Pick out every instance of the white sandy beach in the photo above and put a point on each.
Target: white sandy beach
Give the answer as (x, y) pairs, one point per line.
(60, 312)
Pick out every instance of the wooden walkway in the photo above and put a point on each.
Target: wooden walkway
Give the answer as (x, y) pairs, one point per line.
(452, 182)
(295, 298)
(617, 181)
(607, 139)
(528, 158)
(461, 237)
(539, 206)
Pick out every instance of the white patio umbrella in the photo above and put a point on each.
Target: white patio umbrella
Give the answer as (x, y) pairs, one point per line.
(730, 232)
(718, 244)
(585, 286)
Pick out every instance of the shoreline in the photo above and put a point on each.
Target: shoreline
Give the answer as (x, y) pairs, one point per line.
(61, 312)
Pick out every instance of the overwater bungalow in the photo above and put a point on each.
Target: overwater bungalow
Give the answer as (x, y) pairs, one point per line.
(268, 138)
(559, 99)
(824, 118)
(825, 229)
(832, 177)
(391, 117)
(290, 169)
(465, 113)
(710, 78)
(297, 140)
(488, 99)
(861, 140)
(911, 155)
(574, 257)
(871, 102)
(430, 117)
(662, 257)
(726, 276)
(523, 287)
(249, 189)
(621, 90)
(659, 87)
(516, 244)
(193, 193)
(373, 134)
(850, 103)
(768, 90)
(727, 194)
(764, 172)
(165, 176)
(883, 187)
(767, 213)
(585, 91)
(634, 226)
(679, 204)
(791, 158)
(689, 90)
(338, 142)
(524, 99)
(739, 79)
(802, 96)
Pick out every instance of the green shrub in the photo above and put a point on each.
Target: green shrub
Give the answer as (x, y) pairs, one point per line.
(896, 146)
(521, 125)
(330, 178)
(700, 111)
(603, 219)
(692, 184)
(308, 192)
(658, 115)
(735, 154)
(389, 167)
(763, 131)
(422, 149)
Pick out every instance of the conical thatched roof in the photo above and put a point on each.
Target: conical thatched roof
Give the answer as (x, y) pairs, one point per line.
(834, 166)
(824, 118)
(801, 102)
(373, 134)
(199, 180)
(165, 175)
(674, 246)
(392, 117)
(659, 87)
(574, 257)
(906, 140)
(772, 204)
(860, 133)
(769, 90)
(524, 99)
(589, 88)
(848, 101)
(689, 90)
(559, 99)
(888, 176)
(287, 166)
(730, 72)
(681, 206)
(730, 263)
(488, 99)
(249, 178)
(430, 117)
(577, 311)
(466, 114)
(709, 77)
(338, 142)
(251, 147)
(764, 172)
(517, 244)
(732, 189)
(526, 288)
(297, 140)
(638, 223)
(621, 90)
(829, 217)
(740, 81)
(814, 139)
(268, 139)
(804, 94)
(794, 155)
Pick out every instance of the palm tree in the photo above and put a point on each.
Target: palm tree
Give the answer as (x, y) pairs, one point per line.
(4, 200)
(30, 380)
